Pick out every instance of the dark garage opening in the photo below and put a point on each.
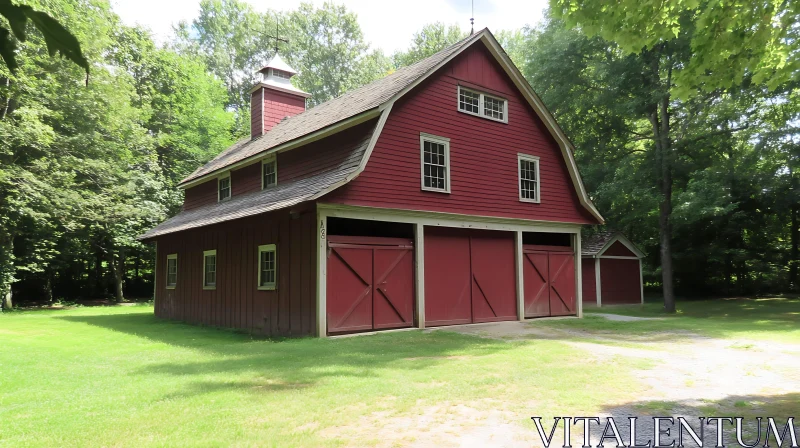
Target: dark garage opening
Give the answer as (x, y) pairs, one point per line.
(363, 227)
(547, 239)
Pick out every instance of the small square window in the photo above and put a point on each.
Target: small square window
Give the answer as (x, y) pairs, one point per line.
(528, 178)
(172, 271)
(224, 188)
(267, 267)
(469, 101)
(269, 173)
(493, 107)
(435, 163)
(210, 269)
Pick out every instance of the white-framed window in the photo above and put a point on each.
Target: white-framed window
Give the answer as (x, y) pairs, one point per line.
(482, 104)
(224, 187)
(435, 161)
(269, 173)
(210, 269)
(267, 267)
(281, 74)
(172, 271)
(528, 168)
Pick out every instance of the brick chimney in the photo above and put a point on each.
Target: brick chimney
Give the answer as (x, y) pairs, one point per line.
(274, 97)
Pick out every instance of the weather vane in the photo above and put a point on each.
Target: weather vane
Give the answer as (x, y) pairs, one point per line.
(277, 34)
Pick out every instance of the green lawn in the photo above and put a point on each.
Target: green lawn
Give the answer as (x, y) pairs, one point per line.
(118, 376)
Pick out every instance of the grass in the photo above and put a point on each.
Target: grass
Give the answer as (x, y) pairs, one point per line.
(767, 319)
(118, 376)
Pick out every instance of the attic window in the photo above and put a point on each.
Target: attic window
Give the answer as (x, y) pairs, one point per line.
(224, 188)
(269, 173)
(483, 105)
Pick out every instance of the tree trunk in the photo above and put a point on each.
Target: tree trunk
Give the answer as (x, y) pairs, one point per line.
(6, 269)
(794, 235)
(117, 271)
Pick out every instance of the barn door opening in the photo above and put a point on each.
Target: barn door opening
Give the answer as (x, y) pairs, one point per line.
(548, 270)
(370, 283)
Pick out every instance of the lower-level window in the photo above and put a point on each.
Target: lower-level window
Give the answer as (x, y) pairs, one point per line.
(267, 267)
(210, 269)
(172, 271)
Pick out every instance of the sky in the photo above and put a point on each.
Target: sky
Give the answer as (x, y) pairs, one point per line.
(388, 25)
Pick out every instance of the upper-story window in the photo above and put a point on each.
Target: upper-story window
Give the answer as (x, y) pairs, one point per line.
(224, 187)
(269, 173)
(435, 155)
(528, 178)
(482, 104)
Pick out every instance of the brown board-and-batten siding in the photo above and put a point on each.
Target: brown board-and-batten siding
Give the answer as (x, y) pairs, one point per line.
(237, 302)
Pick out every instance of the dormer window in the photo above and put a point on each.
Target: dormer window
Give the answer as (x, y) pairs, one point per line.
(224, 187)
(482, 104)
(269, 173)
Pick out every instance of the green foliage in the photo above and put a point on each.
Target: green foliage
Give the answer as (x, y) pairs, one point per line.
(729, 40)
(57, 38)
(431, 39)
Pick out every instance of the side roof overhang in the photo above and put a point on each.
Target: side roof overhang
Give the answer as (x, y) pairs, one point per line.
(595, 246)
(368, 102)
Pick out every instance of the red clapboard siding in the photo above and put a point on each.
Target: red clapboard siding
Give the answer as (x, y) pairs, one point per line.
(256, 122)
(483, 153)
(278, 105)
(618, 250)
(199, 195)
(237, 303)
(246, 179)
(588, 280)
(619, 281)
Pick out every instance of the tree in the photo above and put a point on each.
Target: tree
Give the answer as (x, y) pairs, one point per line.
(57, 38)
(431, 39)
(727, 41)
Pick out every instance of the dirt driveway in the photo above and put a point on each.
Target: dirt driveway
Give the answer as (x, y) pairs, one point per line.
(685, 372)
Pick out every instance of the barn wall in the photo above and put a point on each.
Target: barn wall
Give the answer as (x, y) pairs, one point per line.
(205, 193)
(619, 281)
(236, 302)
(256, 118)
(483, 153)
(618, 250)
(589, 281)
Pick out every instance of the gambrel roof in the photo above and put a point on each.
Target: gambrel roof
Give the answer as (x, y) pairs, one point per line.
(355, 107)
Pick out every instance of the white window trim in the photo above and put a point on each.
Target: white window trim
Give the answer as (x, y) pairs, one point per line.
(223, 176)
(442, 141)
(166, 280)
(264, 162)
(529, 158)
(267, 248)
(206, 253)
(481, 112)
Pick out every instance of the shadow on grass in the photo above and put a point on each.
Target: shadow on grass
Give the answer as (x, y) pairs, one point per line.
(289, 364)
(780, 407)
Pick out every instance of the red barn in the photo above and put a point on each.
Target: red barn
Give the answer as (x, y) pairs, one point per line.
(444, 193)
(612, 270)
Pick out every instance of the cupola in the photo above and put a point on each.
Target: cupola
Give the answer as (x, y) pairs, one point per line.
(274, 97)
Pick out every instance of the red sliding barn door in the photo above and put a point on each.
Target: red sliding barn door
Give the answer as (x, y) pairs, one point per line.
(536, 276)
(562, 284)
(494, 289)
(370, 284)
(549, 279)
(447, 277)
(469, 276)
